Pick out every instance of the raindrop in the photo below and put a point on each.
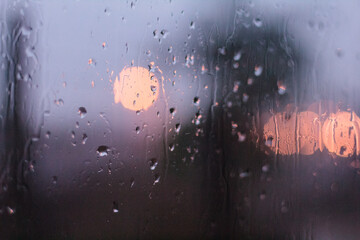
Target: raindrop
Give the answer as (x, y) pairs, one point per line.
(241, 137)
(177, 127)
(82, 112)
(157, 179)
(91, 62)
(153, 163)
(164, 33)
(84, 138)
(258, 70)
(196, 101)
(115, 207)
(48, 134)
(281, 90)
(192, 25)
(236, 86)
(171, 147)
(153, 88)
(265, 168)
(132, 182)
(172, 111)
(54, 179)
(222, 51)
(10, 210)
(245, 97)
(237, 56)
(102, 151)
(269, 141)
(59, 102)
(244, 174)
(257, 22)
(137, 129)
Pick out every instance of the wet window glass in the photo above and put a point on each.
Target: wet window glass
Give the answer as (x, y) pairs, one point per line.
(179, 119)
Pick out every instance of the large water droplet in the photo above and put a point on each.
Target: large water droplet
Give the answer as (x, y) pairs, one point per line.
(82, 112)
(102, 151)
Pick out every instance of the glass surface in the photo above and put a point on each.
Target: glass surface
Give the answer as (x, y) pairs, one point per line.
(179, 119)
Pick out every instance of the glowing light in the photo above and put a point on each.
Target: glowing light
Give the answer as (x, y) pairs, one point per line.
(340, 133)
(287, 134)
(136, 88)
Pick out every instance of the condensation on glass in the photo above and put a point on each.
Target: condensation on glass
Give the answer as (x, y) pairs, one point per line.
(179, 119)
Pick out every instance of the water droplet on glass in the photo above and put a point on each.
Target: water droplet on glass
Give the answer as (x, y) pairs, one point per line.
(115, 207)
(258, 70)
(257, 22)
(172, 111)
(48, 134)
(237, 56)
(192, 25)
(245, 97)
(59, 102)
(196, 101)
(153, 163)
(92, 62)
(157, 179)
(84, 138)
(102, 151)
(132, 182)
(82, 112)
(265, 168)
(137, 129)
(241, 136)
(236, 86)
(222, 51)
(171, 147)
(153, 88)
(10, 210)
(54, 179)
(177, 127)
(164, 33)
(281, 90)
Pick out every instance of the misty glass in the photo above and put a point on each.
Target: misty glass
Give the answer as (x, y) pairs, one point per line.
(179, 119)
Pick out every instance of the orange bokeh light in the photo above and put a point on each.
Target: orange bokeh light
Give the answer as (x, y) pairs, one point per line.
(136, 88)
(303, 132)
